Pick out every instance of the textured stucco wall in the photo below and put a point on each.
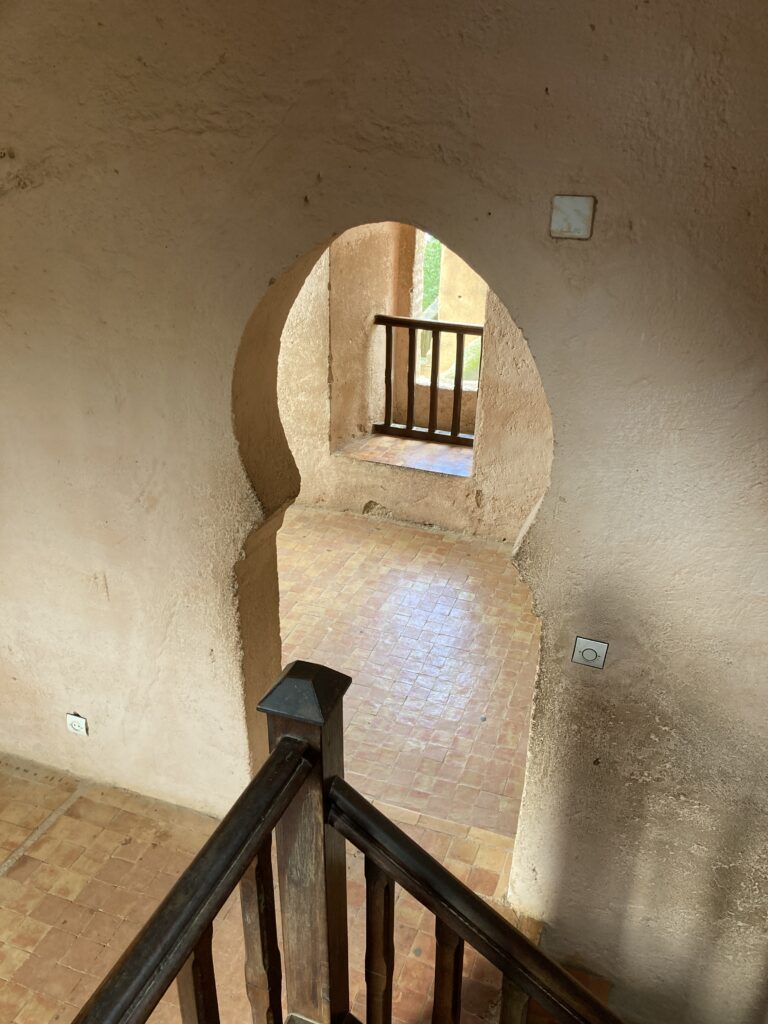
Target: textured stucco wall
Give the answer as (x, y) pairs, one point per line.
(366, 276)
(331, 384)
(462, 292)
(168, 162)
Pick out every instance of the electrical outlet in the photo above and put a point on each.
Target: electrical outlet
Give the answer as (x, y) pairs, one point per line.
(77, 724)
(589, 652)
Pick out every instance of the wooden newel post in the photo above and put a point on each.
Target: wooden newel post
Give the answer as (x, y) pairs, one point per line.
(311, 856)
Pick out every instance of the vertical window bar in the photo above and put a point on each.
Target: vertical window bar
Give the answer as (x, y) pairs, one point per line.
(411, 376)
(434, 384)
(457, 385)
(388, 378)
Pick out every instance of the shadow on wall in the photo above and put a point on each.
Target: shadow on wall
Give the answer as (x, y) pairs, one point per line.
(634, 745)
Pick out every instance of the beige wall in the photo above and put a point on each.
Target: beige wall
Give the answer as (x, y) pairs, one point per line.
(463, 293)
(369, 270)
(327, 390)
(168, 164)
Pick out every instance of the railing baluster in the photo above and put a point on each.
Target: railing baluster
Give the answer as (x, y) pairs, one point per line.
(514, 1003)
(196, 984)
(379, 943)
(457, 385)
(411, 376)
(263, 969)
(449, 962)
(388, 377)
(434, 385)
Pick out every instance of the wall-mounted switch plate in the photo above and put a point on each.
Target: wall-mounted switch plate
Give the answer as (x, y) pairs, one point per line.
(77, 724)
(589, 652)
(572, 217)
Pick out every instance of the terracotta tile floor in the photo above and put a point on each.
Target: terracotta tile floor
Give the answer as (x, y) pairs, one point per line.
(86, 865)
(452, 460)
(440, 638)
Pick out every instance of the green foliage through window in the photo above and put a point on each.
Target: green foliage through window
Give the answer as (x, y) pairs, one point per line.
(433, 255)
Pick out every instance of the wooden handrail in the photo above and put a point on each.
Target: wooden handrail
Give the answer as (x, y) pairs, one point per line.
(461, 909)
(301, 794)
(181, 923)
(476, 330)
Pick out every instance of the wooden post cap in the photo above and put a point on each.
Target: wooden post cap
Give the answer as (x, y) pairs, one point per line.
(306, 692)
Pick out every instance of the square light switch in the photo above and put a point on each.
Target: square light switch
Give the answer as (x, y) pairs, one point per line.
(589, 652)
(572, 217)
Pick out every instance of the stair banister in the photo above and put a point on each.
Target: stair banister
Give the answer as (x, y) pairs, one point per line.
(306, 704)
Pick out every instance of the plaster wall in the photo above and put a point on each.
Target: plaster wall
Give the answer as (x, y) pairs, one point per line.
(167, 164)
(369, 269)
(462, 292)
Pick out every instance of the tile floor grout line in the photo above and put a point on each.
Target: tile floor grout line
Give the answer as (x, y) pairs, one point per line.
(43, 827)
(409, 640)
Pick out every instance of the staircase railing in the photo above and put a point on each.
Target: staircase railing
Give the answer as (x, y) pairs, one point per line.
(301, 795)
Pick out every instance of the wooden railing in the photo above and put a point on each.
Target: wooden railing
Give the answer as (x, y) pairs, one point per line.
(176, 941)
(430, 432)
(300, 793)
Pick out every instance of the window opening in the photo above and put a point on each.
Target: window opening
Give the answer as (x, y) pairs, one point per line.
(426, 304)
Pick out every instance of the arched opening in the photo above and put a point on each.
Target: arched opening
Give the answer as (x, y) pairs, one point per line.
(401, 576)
(332, 372)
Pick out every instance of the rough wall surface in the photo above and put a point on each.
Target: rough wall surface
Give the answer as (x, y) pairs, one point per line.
(364, 278)
(168, 162)
(463, 293)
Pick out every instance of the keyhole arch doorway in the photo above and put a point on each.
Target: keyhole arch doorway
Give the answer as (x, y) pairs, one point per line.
(276, 392)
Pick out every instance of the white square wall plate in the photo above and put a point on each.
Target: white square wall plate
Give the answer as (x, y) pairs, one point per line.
(572, 217)
(589, 652)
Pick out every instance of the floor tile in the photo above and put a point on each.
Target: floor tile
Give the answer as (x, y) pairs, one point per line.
(434, 722)
(439, 635)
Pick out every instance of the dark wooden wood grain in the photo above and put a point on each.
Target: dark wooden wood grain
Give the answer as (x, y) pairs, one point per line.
(263, 969)
(476, 330)
(564, 998)
(424, 434)
(514, 1004)
(148, 967)
(196, 984)
(411, 398)
(449, 963)
(458, 383)
(311, 858)
(434, 381)
(379, 943)
(388, 361)
(410, 429)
